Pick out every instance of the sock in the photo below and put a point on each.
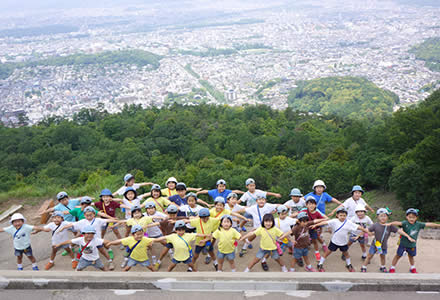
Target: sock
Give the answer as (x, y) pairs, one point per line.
(382, 266)
(364, 254)
(189, 268)
(392, 267)
(246, 270)
(158, 261)
(322, 260)
(292, 270)
(19, 266)
(364, 267)
(309, 266)
(246, 244)
(317, 251)
(412, 267)
(110, 260)
(283, 268)
(232, 270)
(73, 259)
(207, 255)
(125, 258)
(34, 264)
(348, 261)
(263, 260)
(215, 262)
(219, 271)
(51, 261)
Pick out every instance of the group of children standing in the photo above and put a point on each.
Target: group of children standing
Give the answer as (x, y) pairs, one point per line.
(187, 226)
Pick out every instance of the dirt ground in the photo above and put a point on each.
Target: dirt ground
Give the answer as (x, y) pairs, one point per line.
(426, 261)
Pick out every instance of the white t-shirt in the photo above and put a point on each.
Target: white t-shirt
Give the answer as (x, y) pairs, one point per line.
(97, 223)
(364, 222)
(57, 236)
(236, 208)
(91, 251)
(286, 224)
(350, 205)
(134, 202)
(295, 207)
(155, 231)
(253, 210)
(251, 198)
(22, 238)
(190, 212)
(340, 238)
(121, 190)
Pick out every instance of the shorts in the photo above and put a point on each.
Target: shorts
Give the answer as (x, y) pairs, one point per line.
(200, 248)
(362, 240)
(157, 236)
(333, 247)
(188, 261)
(63, 247)
(27, 251)
(190, 230)
(106, 225)
(410, 251)
(248, 216)
(132, 262)
(373, 250)
(300, 252)
(169, 246)
(313, 234)
(84, 263)
(272, 253)
(227, 256)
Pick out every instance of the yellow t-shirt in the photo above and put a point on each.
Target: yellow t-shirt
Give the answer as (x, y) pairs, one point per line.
(168, 193)
(181, 251)
(161, 203)
(266, 242)
(144, 221)
(204, 228)
(226, 239)
(140, 252)
(216, 214)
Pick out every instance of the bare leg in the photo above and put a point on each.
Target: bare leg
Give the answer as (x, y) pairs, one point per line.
(253, 262)
(171, 267)
(220, 264)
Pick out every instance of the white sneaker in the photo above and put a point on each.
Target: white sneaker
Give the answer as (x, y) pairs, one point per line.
(124, 263)
(284, 269)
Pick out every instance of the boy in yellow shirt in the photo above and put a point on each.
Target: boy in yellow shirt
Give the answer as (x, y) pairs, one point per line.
(227, 241)
(138, 246)
(268, 243)
(156, 197)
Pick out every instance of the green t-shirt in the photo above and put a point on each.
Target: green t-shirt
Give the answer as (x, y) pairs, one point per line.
(78, 213)
(413, 231)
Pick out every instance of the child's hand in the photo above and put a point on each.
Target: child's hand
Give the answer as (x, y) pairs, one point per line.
(356, 237)
(277, 195)
(411, 240)
(210, 205)
(249, 220)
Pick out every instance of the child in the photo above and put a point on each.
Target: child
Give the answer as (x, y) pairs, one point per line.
(154, 231)
(138, 247)
(131, 199)
(381, 234)
(90, 245)
(97, 224)
(412, 227)
(156, 197)
(65, 205)
(57, 237)
(22, 240)
(108, 206)
(301, 241)
(296, 203)
(313, 213)
(256, 212)
(170, 190)
(130, 182)
(320, 196)
(285, 223)
(180, 199)
(180, 241)
(227, 238)
(363, 220)
(191, 209)
(251, 196)
(233, 206)
(219, 210)
(351, 203)
(205, 225)
(78, 212)
(219, 191)
(269, 235)
(340, 226)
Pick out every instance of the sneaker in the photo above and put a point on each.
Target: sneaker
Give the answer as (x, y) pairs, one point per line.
(207, 259)
(321, 268)
(20, 268)
(414, 271)
(111, 266)
(318, 256)
(392, 271)
(49, 265)
(189, 270)
(250, 246)
(124, 263)
(64, 253)
(242, 252)
(74, 264)
(300, 262)
(265, 266)
(324, 248)
(363, 257)
(157, 266)
(350, 268)
(215, 266)
(363, 270)
(243, 229)
(35, 268)
(311, 269)
(284, 269)
(383, 270)
(343, 257)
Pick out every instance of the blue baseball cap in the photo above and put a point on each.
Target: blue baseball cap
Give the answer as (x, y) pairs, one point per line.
(204, 212)
(88, 229)
(136, 228)
(106, 192)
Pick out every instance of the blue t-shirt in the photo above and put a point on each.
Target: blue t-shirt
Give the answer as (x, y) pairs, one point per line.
(71, 205)
(21, 237)
(320, 200)
(179, 201)
(214, 193)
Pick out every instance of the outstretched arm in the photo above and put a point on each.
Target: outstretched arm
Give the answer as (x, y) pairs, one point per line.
(432, 225)
(401, 232)
(276, 195)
